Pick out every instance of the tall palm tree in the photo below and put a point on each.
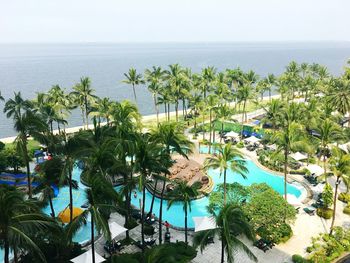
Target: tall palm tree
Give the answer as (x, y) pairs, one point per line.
(20, 219)
(223, 113)
(244, 94)
(154, 79)
(273, 112)
(102, 199)
(50, 175)
(211, 103)
(134, 79)
(227, 157)
(229, 220)
(184, 193)
(329, 132)
(150, 157)
(26, 122)
(339, 96)
(340, 167)
(208, 77)
(84, 96)
(172, 138)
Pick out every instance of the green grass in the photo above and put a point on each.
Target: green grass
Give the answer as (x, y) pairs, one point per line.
(32, 145)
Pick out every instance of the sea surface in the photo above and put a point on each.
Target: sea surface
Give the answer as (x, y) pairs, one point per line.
(32, 68)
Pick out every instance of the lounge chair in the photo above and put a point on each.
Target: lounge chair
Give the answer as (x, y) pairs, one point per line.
(310, 210)
(261, 245)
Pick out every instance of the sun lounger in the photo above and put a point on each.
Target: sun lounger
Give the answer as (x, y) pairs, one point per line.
(261, 245)
(310, 210)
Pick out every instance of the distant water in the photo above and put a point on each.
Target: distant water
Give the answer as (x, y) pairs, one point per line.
(31, 68)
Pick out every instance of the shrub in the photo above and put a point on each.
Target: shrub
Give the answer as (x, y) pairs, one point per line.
(131, 223)
(347, 210)
(325, 213)
(327, 195)
(240, 144)
(149, 230)
(299, 259)
(344, 197)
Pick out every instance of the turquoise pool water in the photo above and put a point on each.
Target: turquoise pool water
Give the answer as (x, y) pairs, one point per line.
(175, 214)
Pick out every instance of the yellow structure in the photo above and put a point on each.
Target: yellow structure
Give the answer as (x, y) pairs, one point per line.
(64, 215)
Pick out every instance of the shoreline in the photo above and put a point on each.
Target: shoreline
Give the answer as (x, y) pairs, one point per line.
(146, 118)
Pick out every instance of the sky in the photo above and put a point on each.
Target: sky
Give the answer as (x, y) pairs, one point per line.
(26, 21)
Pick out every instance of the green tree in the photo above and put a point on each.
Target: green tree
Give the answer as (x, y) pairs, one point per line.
(340, 167)
(227, 157)
(20, 219)
(184, 193)
(134, 79)
(230, 220)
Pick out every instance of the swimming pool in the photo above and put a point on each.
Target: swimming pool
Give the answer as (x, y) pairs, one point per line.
(62, 201)
(175, 215)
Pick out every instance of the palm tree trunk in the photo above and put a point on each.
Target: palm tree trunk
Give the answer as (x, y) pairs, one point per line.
(7, 250)
(334, 204)
(325, 168)
(168, 111)
(161, 213)
(222, 248)
(153, 196)
(29, 179)
(133, 89)
(92, 239)
(156, 107)
(222, 131)
(70, 191)
(285, 172)
(165, 111)
(243, 119)
(270, 94)
(51, 206)
(86, 114)
(186, 241)
(176, 109)
(143, 216)
(15, 256)
(224, 187)
(210, 131)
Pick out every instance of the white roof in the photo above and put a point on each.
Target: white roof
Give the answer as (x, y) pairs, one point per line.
(315, 169)
(298, 156)
(232, 134)
(293, 200)
(116, 229)
(87, 258)
(252, 139)
(203, 223)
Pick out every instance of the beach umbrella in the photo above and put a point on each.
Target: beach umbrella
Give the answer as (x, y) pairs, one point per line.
(298, 156)
(87, 258)
(252, 139)
(293, 200)
(64, 215)
(232, 134)
(203, 223)
(116, 229)
(315, 169)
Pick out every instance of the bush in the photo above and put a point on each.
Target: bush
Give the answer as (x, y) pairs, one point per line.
(240, 144)
(325, 213)
(131, 223)
(327, 195)
(347, 210)
(344, 197)
(149, 230)
(299, 259)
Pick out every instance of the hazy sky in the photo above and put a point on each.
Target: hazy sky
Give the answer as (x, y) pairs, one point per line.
(173, 20)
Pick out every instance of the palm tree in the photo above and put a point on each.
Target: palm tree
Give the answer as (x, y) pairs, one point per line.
(103, 110)
(150, 157)
(50, 175)
(102, 199)
(223, 113)
(19, 221)
(155, 79)
(273, 112)
(227, 157)
(340, 167)
(175, 77)
(184, 193)
(134, 79)
(26, 122)
(208, 77)
(339, 96)
(84, 96)
(211, 103)
(172, 138)
(244, 94)
(329, 131)
(230, 220)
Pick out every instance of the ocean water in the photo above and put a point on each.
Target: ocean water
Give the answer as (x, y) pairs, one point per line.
(32, 68)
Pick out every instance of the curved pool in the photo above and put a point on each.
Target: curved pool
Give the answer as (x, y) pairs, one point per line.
(175, 215)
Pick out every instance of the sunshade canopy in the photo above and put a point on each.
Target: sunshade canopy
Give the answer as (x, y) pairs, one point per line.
(64, 215)
(315, 169)
(87, 258)
(203, 223)
(298, 156)
(232, 134)
(116, 229)
(252, 139)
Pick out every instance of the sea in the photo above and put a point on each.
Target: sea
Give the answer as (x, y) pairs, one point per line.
(32, 68)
